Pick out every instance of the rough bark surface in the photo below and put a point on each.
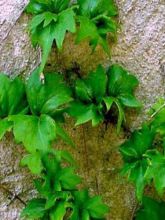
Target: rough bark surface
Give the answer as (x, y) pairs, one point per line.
(140, 48)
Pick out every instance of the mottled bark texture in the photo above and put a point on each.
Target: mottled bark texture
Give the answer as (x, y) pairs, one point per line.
(140, 48)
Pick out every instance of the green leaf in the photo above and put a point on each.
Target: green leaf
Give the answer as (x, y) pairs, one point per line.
(88, 30)
(137, 175)
(151, 209)
(98, 116)
(51, 26)
(43, 37)
(89, 207)
(35, 7)
(95, 95)
(59, 212)
(96, 18)
(38, 19)
(56, 197)
(96, 7)
(121, 116)
(49, 96)
(68, 179)
(62, 155)
(5, 126)
(82, 91)
(49, 17)
(156, 172)
(97, 82)
(108, 102)
(129, 101)
(12, 96)
(65, 23)
(59, 177)
(36, 133)
(96, 208)
(83, 113)
(122, 85)
(93, 86)
(34, 209)
(33, 161)
(139, 142)
(134, 152)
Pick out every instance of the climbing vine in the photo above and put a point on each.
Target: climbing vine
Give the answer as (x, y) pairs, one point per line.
(91, 20)
(34, 110)
(144, 158)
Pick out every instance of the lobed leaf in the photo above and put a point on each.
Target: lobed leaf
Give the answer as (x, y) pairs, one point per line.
(36, 133)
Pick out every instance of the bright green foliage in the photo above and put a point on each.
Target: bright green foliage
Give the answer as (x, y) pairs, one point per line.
(48, 96)
(134, 155)
(151, 210)
(100, 91)
(156, 172)
(52, 19)
(97, 19)
(33, 161)
(59, 196)
(12, 101)
(86, 207)
(144, 160)
(36, 133)
(34, 110)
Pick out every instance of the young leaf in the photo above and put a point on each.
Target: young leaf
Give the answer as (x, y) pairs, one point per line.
(96, 18)
(50, 24)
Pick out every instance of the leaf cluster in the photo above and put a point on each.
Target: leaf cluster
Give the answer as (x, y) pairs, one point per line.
(33, 110)
(102, 92)
(144, 155)
(96, 19)
(59, 197)
(52, 19)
